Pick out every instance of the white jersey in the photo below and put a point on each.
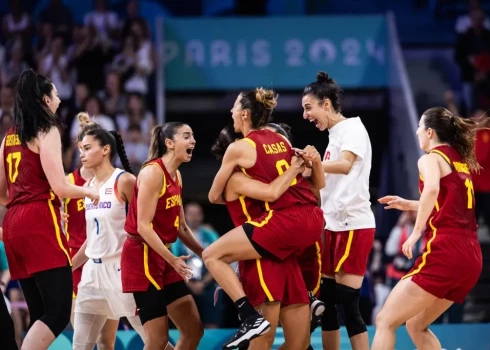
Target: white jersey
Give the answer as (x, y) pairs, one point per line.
(345, 198)
(105, 221)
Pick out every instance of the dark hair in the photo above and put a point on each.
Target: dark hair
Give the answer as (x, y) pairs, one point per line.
(158, 136)
(226, 137)
(325, 87)
(31, 115)
(260, 103)
(86, 125)
(114, 140)
(459, 133)
(283, 129)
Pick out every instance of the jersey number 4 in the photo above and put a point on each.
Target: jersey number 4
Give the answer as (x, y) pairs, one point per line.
(13, 160)
(283, 165)
(469, 187)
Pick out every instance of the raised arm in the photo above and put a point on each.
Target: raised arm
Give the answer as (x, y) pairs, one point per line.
(244, 185)
(50, 153)
(150, 182)
(235, 155)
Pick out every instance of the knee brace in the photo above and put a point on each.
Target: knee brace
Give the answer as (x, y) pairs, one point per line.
(349, 298)
(56, 322)
(330, 318)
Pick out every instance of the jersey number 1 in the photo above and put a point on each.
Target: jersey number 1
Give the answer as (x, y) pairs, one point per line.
(283, 163)
(13, 160)
(469, 187)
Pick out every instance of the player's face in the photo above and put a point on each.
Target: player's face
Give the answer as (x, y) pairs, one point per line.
(423, 135)
(315, 111)
(92, 153)
(238, 114)
(53, 101)
(183, 143)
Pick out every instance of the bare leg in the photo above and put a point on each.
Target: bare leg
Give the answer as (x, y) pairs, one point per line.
(107, 336)
(156, 332)
(418, 326)
(295, 320)
(270, 312)
(184, 314)
(405, 301)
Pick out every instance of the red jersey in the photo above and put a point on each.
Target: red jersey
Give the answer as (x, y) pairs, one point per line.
(75, 228)
(481, 180)
(455, 206)
(244, 209)
(26, 180)
(167, 213)
(273, 158)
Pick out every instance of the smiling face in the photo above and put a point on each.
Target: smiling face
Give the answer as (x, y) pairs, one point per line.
(183, 143)
(316, 111)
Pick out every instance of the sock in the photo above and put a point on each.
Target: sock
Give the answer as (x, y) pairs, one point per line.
(245, 309)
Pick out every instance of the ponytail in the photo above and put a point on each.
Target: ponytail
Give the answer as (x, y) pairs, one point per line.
(464, 141)
(157, 144)
(121, 151)
(158, 136)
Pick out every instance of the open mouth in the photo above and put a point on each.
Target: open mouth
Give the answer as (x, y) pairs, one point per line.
(189, 151)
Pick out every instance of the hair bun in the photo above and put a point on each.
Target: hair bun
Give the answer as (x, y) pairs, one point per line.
(267, 97)
(322, 77)
(83, 118)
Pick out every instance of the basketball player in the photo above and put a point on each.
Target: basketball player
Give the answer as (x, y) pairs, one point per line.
(452, 261)
(277, 288)
(349, 220)
(76, 234)
(262, 155)
(100, 295)
(150, 271)
(31, 180)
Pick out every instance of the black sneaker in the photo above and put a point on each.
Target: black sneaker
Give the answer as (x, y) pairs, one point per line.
(251, 328)
(317, 307)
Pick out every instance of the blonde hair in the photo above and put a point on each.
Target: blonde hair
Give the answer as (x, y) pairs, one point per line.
(267, 97)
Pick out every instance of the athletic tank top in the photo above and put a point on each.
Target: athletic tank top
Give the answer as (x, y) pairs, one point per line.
(75, 228)
(105, 221)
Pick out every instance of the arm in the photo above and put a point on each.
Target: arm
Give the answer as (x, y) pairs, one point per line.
(185, 234)
(50, 154)
(80, 258)
(125, 187)
(150, 182)
(243, 185)
(3, 179)
(341, 166)
(316, 177)
(234, 156)
(429, 168)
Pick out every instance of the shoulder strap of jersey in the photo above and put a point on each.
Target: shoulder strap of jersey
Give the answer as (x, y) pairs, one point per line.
(443, 155)
(116, 188)
(164, 186)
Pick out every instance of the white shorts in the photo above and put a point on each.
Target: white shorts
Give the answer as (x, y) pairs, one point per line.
(100, 291)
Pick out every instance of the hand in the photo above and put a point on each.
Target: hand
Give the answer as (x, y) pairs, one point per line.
(298, 164)
(196, 287)
(182, 268)
(64, 218)
(409, 243)
(93, 194)
(395, 202)
(310, 153)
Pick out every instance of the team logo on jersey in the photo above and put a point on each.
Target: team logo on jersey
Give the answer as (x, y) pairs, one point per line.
(108, 191)
(327, 156)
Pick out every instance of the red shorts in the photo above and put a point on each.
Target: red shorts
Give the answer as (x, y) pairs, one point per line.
(450, 265)
(141, 265)
(288, 231)
(77, 274)
(310, 262)
(33, 239)
(347, 251)
(266, 280)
